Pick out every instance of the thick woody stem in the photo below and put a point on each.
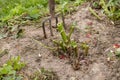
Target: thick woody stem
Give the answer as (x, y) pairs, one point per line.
(52, 8)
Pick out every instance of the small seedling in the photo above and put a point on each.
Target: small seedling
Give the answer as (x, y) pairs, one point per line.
(85, 48)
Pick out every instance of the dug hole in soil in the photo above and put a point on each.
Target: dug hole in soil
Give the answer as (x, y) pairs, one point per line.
(98, 34)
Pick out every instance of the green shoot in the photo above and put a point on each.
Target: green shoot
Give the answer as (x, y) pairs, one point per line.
(93, 12)
(111, 8)
(66, 44)
(63, 33)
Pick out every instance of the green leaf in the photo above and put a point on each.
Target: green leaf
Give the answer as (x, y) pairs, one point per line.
(71, 31)
(19, 78)
(6, 69)
(73, 44)
(62, 32)
(12, 72)
(16, 63)
(117, 53)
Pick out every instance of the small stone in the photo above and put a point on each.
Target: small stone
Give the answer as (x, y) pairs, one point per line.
(114, 78)
(117, 75)
(39, 55)
(119, 78)
(72, 78)
(117, 39)
(119, 69)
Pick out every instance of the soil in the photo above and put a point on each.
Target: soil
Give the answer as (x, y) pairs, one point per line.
(99, 34)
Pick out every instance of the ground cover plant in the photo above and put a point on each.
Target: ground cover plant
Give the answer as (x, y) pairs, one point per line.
(20, 11)
(9, 70)
(32, 9)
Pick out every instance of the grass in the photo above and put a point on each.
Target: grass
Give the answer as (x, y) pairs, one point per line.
(111, 8)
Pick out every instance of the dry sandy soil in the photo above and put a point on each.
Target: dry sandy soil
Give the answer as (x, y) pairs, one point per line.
(99, 34)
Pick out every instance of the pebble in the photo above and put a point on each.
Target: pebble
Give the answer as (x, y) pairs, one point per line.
(72, 78)
(114, 78)
(117, 74)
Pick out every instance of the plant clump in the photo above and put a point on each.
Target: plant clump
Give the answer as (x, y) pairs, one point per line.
(111, 8)
(66, 47)
(43, 74)
(9, 70)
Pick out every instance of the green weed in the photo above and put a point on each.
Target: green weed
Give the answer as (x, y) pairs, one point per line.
(17, 7)
(111, 8)
(3, 52)
(15, 12)
(85, 48)
(33, 8)
(9, 70)
(94, 13)
(43, 74)
(79, 2)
